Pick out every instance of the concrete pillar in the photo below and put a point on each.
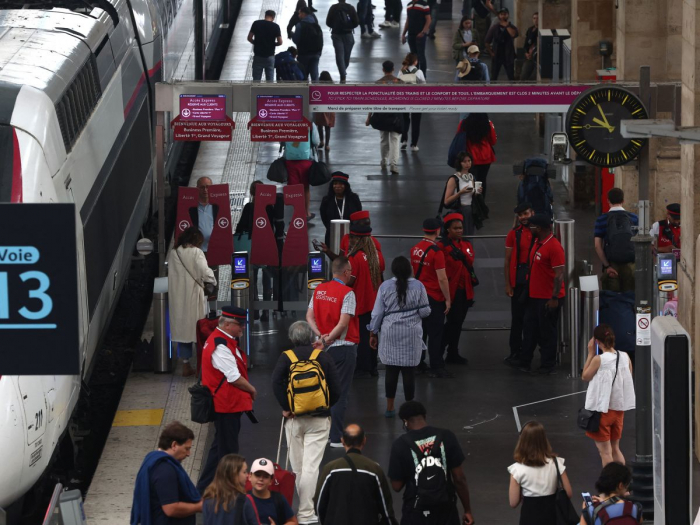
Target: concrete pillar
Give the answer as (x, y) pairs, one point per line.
(591, 22)
(554, 15)
(688, 277)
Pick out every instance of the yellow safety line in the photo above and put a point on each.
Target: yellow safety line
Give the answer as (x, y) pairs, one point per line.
(138, 418)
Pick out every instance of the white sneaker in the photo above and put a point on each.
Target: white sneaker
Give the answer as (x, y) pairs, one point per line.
(375, 35)
(414, 148)
(336, 445)
(395, 24)
(385, 24)
(404, 145)
(366, 35)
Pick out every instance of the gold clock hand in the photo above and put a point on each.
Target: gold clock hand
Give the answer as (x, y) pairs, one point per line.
(588, 126)
(604, 125)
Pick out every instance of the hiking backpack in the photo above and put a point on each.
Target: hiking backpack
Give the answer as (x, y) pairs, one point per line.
(608, 513)
(409, 76)
(535, 187)
(307, 390)
(432, 484)
(619, 247)
(343, 21)
(311, 38)
(287, 67)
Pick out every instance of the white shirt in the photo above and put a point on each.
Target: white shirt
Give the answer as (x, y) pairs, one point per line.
(222, 359)
(349, 306)
(602, 394)
(465, 180)
(537, 481)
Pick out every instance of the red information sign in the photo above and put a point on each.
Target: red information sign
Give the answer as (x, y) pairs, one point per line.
(295, 250)
(263, 250)
(266, 131)
(280, 108)
(203, 107)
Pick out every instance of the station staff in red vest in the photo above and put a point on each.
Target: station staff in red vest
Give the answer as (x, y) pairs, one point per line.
(225, 373)
(459, 261)
(331, 315)
(359, 218)
(518, 243)
(366, 279)
(546, 294)
(428, 263)
(668, 231)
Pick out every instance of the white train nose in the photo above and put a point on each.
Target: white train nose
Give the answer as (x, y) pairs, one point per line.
(12, 435)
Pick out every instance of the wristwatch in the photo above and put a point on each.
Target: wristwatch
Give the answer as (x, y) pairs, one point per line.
(605, 267)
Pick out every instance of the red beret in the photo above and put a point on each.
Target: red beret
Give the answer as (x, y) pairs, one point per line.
(359, 215)
(453, 217)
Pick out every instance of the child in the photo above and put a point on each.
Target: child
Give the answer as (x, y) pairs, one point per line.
(271, 508)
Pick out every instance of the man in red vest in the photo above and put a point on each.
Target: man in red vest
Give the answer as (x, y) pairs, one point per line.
(331, 315)
(225, 373)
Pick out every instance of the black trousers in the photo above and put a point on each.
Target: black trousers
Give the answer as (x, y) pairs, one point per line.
(366, 357)
(433, 326)
(517, 315)
(447, 515)
(411, 120)
(540, 327)
(508, 65)
(453, 326)
(392, 380)
(227, 427)
(480, 173)
(393, 10)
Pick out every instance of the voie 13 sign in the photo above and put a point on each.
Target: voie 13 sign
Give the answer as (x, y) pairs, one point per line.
(38, 290)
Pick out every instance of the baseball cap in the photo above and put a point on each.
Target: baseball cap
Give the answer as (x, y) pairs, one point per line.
(473, 49)
(264, 465)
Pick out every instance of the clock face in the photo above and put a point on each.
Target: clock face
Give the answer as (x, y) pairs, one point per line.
(593, 125)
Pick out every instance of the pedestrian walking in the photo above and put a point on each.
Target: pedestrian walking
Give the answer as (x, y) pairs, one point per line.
(342, 19)
(359, 494)
(392, 14)
(365, 12)
(339, 203)
(461, 187)
(224, 499)
(533, 477)
(188, 278)
(610, 392)
(307, 433)
(415, 31)
(308, 37)
(324, 121)
(397, 331)
(294, 20)
(459, 266)
(428, 263)
(610, 505)
(265, 35)
(298, 161)
(410, 74)
(331, 315)
(390, 125)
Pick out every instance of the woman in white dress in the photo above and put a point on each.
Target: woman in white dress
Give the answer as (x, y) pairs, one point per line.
(610, 392)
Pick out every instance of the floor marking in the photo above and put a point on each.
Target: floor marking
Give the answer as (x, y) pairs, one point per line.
(470, 427)
(515, 408)
(138, 418)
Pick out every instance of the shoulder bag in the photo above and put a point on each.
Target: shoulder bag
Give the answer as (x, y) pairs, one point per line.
(277, 172)
(454, 205)
(202, 402)
(431, 248)
(566, 513)
(589, 420)
(319, 172)
(207, 287)
(457, 255)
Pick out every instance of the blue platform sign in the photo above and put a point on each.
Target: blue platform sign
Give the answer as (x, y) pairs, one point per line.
(39, 324)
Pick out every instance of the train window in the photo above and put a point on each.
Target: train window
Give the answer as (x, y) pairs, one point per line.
(63, 124)
(70, 120)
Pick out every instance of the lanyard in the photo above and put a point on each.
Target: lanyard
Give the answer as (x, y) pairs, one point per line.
(339, 281)
(341, 212)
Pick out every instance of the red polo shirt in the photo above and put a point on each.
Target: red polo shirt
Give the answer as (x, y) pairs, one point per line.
(365, 293)
(434, 260)
(545, 256)
(457, 273)
(523, 252)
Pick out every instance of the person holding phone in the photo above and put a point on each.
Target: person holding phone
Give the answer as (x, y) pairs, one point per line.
(612, 486)
(463, 186)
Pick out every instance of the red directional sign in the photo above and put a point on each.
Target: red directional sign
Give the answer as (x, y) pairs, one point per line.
(279, 131)
(202, 130)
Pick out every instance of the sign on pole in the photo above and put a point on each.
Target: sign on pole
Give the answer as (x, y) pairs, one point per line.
(202, 118)
(39, 318)
(279, 118)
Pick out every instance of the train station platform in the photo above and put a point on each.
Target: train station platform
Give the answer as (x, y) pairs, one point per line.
(478, 403)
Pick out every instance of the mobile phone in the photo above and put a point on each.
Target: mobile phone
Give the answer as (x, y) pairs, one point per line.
(317, 245)
(587, 498)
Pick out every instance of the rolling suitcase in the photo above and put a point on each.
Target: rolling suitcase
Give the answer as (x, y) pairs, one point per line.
(284, 479)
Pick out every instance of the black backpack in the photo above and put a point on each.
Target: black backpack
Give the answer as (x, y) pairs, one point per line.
(342, 22)
(433, 487)
(311, 38)
(618, 244)
(535, 187)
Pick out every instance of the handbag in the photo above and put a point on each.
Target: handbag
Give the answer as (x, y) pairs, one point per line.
(202, 402)
(277, 172)
(454, 205)
(209, 288)
(566, 513)
(589, 420)
(319, 173)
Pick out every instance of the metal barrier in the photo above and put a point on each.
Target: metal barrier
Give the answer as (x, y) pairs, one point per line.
(65, 508)
(162, 350)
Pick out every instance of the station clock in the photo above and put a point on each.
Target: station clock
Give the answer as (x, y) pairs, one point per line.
(593, 125)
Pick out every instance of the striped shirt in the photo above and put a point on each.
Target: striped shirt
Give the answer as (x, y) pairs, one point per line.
(416, 13)
(601, 223)
(401, 337)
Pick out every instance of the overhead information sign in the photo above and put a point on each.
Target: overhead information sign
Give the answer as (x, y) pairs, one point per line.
(279, 118)
(202, 118)
(280, 108)
(422, 98)
(39, 331)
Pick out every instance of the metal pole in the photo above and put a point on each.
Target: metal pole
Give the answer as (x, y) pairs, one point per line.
(575, 328)
(160, 189)
(589, 320)
(642, 486)
(564, 231)
(199, 40)
(339, 228)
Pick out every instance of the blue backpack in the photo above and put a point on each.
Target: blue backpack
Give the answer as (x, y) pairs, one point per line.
(459, 144)
(535, 188)
(287, 67)
(628, 513)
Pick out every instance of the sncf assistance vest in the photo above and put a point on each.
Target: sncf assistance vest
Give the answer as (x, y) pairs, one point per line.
(228, 398)
(328, 302)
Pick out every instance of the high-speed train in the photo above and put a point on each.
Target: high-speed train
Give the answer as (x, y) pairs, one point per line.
(76, 126)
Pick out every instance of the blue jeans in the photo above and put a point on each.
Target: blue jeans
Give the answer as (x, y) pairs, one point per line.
(309, 65)
(366, 16)
(184, 350)
(345, 357)
(264, 63)
(343, 45)
(417, 46)
(433, 18)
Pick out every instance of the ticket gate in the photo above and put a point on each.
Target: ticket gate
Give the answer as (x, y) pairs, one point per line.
(666, 281)
(241, 291)
(316, 272)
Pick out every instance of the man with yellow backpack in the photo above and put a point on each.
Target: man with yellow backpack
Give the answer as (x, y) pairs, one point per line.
(306, 384)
